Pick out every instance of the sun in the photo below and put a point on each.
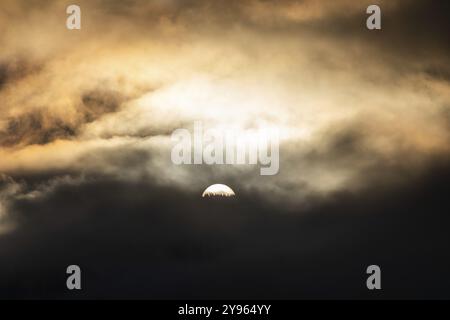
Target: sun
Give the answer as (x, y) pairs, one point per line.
(218, 190)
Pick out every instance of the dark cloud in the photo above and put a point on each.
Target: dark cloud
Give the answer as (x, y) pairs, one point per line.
(32, 128)
(438, 72)
(138, 227)
(97, 103)
(15, 69)
(413, 39)
(42, 127)
(144, 241)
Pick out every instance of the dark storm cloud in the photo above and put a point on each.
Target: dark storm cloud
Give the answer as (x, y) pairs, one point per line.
(438, 72)
(40, 127)
(31, 128)
(416, 31)
(143, 241)
(422, 27)
(111, 210)
(13, 70)
(413, 39)
(97, 103)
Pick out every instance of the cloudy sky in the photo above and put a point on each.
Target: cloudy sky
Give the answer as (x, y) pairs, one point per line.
(86, 178)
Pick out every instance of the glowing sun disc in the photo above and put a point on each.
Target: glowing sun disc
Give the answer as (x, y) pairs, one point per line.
(218, 189)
